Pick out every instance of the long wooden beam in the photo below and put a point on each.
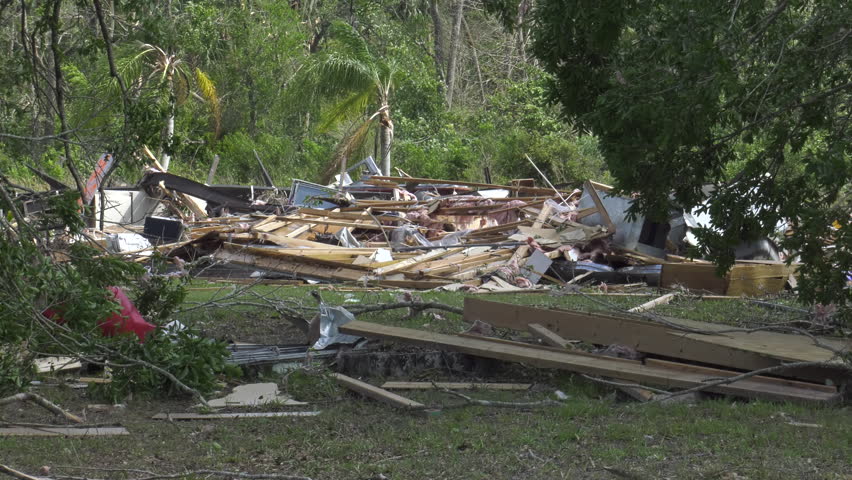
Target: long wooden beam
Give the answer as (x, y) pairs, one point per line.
(590, 364)
(748, 351)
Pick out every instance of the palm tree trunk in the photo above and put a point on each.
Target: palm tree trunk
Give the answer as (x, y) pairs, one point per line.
(386, 138)
(170, 124)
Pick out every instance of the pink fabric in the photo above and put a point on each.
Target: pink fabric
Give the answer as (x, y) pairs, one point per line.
(127, 320)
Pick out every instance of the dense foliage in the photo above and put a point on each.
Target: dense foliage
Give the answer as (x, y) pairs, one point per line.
(55, 296)
(744, 103)
(296, 82)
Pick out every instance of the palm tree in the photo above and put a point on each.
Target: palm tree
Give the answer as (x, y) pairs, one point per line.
(353, 84)
(169, 71)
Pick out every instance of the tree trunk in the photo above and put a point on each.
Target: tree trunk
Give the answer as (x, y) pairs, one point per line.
(475, 62)
(60, 95)
(386, 132)
(440, 60)
(170, 125)
(454, 51)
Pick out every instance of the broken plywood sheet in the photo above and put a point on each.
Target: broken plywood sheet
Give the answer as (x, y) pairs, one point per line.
(748, 279)
(252, 395)
(57, 364)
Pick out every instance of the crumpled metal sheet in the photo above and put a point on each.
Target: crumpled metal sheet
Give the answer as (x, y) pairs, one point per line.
(331, 318)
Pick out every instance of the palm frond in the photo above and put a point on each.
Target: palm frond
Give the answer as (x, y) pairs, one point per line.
(349, 41)
(348, 144)
(208, 91)
(354, 104)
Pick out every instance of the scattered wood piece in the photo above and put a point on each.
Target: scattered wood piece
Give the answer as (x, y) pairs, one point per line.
(377, 393)
(667, 298)
(42, 402)
(548, 337)
(218, 416)
(57, 364)
(62, 431)
(455, 386)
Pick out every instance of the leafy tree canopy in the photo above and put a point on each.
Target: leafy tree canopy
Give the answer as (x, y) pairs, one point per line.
(747, 100)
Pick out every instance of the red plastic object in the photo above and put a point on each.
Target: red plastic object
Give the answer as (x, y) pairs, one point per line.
(127, 320)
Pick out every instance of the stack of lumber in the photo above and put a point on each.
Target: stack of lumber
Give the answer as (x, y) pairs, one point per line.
(672, 357)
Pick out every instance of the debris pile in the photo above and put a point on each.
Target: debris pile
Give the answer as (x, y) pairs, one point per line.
(419, 233)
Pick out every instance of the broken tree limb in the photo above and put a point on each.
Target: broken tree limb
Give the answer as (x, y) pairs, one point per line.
(497, 403)
(359, 309)
(42, 402)
(728, 380)
(16, 474)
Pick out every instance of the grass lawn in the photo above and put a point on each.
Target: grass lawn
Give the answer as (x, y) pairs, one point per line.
(593, 435)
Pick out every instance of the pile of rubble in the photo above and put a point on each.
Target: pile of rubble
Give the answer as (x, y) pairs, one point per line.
(420, 233)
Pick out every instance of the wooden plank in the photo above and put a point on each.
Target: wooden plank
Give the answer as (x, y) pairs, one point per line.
(56, 364)
(62, 431)
(425, 257)
(549, 338)
(219, 416)
(455, 386)
(377, 393)
(282, 265)
(592, 365)
(749, 351)
(339, 223)
(601, 210)
(653, 303)
(431, 181)
(292, 242)
(522, 251)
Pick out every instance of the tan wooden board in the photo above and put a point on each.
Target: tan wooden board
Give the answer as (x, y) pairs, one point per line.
(549, 338)
(377, 393)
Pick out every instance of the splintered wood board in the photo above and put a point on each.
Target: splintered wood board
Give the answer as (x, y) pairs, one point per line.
(664, 376)
(455, 386)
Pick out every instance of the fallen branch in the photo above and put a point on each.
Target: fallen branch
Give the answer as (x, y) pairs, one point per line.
(624, 385)
(417, 306)
(497, 403)
(16, 474)
(736, 378)
(42, 402)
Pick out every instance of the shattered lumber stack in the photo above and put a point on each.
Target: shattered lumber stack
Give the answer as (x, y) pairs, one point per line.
(676, 354)
(464, 241)
(462, 236)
